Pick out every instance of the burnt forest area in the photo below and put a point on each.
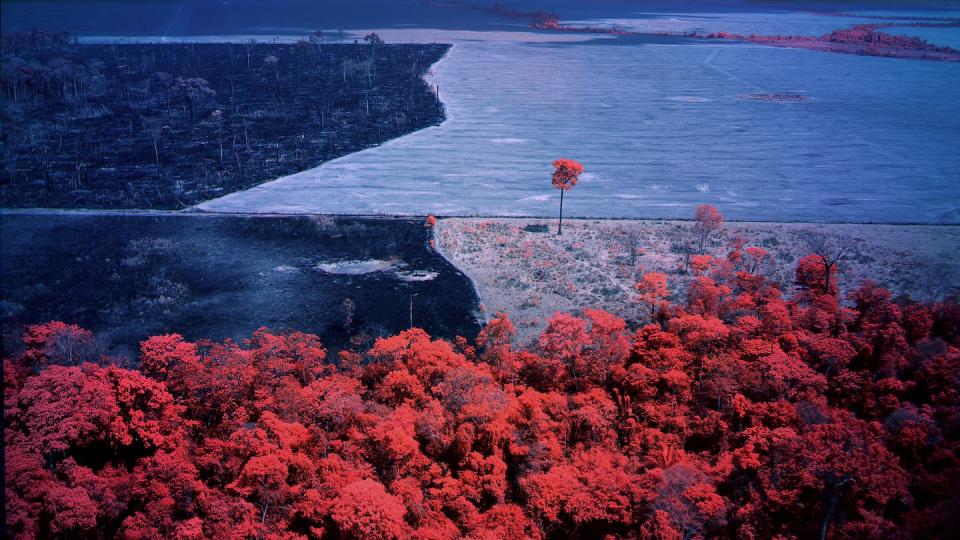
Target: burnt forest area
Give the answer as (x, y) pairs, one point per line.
(130, 276)
(166, 126)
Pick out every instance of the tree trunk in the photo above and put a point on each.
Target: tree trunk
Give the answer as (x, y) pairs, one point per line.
(156, 155)
(560, 227)
(833, 498)
(190, 106)
(828, 267)
(828, 517)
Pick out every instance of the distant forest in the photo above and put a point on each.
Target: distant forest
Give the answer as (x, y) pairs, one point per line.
(170, 125)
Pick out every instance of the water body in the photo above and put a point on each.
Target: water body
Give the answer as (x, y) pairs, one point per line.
(661, 124)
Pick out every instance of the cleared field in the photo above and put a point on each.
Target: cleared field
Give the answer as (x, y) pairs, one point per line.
(523, 267)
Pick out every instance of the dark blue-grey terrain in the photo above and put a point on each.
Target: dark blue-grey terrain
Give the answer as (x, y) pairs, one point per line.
(128, 276)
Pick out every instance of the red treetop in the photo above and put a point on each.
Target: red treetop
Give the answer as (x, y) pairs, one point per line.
(651, 289)
(58, 343)
(708, 218)
(566, 173)
(364, 509)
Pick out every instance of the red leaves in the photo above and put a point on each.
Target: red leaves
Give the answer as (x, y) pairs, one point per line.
(296, 354)
(56, 343)
(707, 220)
(652, 289)
(566, 173)
(67, 408)
(737, 415)
(843, 461)
(159, 354)
(101, 417)
(704, 297)
(365, 510)
(484, 479)
(812, 274)
(595, 486)
(658, 527)
(700, 335)
(707, 217)
(758, 256)
(686, 495)
(608, 347)
(495, 339)
(699, 264)
(505, 521)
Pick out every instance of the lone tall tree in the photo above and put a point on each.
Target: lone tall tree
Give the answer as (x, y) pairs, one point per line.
(565, 175)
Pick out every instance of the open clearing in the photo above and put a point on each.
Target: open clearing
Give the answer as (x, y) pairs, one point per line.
(521, 266)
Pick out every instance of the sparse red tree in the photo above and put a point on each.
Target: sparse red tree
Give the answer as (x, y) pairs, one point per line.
(652, 289)
(707, 220)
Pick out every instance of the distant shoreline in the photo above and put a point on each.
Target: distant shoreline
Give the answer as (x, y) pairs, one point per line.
(401, 217)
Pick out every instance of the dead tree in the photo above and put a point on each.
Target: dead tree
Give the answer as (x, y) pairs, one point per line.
(193, 90)
(154, 127)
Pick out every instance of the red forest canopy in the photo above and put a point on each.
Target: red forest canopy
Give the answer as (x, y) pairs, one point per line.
(737, 414)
